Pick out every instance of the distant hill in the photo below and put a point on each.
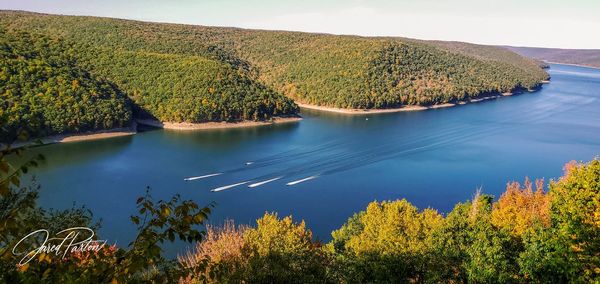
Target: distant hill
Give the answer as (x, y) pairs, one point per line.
(186, 73)
(585, 57)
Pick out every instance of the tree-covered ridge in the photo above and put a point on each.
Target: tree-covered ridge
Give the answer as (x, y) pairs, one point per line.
(204, 83)
(43, 91)
(340, 71)
(188, 88)
(438, 76)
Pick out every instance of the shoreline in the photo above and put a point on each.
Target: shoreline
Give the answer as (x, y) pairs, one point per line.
(188, 126)
(76, 137)
(404, 108)
(132, 130)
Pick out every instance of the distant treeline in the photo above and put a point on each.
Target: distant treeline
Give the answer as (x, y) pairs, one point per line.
(585, 57)
(189, 73)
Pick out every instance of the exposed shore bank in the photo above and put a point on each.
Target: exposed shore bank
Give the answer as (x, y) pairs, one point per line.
(76, 137)
(185, 126)
(127, 131)
(408, 108)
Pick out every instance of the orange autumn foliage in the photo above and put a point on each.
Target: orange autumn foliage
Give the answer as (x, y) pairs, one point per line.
(222, 244)
(520, 207)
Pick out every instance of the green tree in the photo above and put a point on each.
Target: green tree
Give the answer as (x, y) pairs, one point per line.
(195, 74)
(570, 248)
(389, 242)
(282, 251)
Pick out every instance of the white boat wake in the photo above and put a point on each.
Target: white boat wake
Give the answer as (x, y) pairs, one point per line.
(301, 180)
(228, 186)
(201, 177)
(263, 182)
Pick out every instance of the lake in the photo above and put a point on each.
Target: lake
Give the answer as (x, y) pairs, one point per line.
(432, 158)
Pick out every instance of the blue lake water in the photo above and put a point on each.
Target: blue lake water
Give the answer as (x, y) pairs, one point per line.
(432, 158)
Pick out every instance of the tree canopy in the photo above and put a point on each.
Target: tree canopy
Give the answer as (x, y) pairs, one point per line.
(43, 91)
(198, 73)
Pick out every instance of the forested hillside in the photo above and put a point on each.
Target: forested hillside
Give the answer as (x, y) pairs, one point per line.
(328, 70)
(43, 91)
(51, 83)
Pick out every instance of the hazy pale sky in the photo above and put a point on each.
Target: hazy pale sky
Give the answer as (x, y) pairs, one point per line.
(543, 23)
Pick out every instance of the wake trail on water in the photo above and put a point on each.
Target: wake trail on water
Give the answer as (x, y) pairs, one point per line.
(293, 152)
(228, 186)
(202, 177)
(325, 163)
(272, 160)
(334, 157)
(301, 180)
(264, 182)
(457, 139)
(332, 163)
(368, 157)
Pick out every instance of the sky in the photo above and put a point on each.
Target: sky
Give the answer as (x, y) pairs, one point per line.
(538, 23)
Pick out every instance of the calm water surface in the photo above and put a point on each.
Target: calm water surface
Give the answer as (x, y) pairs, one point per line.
(433, 158)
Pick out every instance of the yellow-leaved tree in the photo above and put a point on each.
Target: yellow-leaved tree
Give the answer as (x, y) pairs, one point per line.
(521, 207)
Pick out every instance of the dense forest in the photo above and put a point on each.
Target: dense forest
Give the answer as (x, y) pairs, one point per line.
(52, 84)
(529, 234)
(183, 73)
(43, 91)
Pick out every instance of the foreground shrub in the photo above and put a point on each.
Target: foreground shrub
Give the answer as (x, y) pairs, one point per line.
(390, 241)
(275, 251)
(570, 249)
(220, 254)
(520, 207)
